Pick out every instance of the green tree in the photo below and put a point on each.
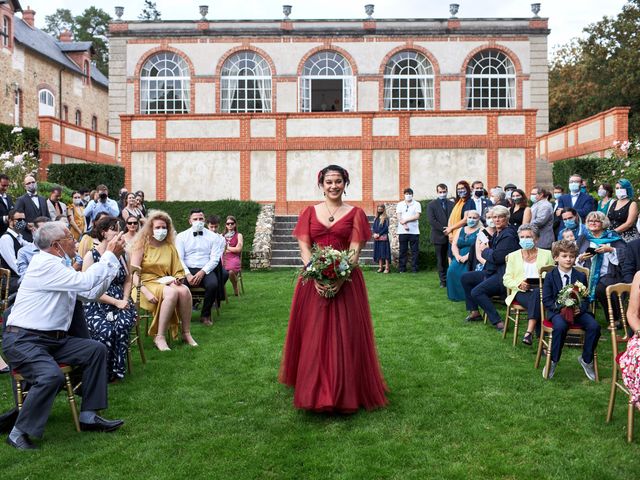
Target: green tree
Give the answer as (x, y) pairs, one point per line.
(599, 71)
(59, 21)
(150, 11)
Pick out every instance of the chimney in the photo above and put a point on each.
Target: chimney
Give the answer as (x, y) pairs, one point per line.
(66, 36)
(28, 16)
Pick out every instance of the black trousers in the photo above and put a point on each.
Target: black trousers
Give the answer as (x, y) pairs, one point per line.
(479, 287)
(36, 357)
(442, 260)
(407, 240)
(213, 284)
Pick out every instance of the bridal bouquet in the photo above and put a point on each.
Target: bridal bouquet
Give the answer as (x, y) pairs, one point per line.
(571, 297)
(327, 265)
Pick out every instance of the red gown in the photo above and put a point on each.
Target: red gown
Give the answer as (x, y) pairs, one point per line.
(329, 353)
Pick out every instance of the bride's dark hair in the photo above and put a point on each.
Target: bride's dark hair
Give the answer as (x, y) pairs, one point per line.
(333, 168)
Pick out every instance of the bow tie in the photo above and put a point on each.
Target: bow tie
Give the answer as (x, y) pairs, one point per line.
(195, 234)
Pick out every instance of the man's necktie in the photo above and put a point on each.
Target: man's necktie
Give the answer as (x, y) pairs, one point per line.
(566, 279)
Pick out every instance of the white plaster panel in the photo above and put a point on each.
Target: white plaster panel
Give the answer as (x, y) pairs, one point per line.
(263, 176)
(556, 142)
(324, 127)
(203, 128)
(451, 165)
(287, 56)
(522, 50)
(143, 129)
(78, 87)
(450, 95)
(55, 132)
(386, 127)
(75, 138)
(543, 148)
(368, 96)
(17, 59)
(263, 128)
(526, 94)
(55, 158)
(143, 173)
(608, 126)
(510, 125)
(205, 56)
(571, 138)
(450, 54)
(589, 132)
(70, 160)
(205, 97)
(386, 167)
(511, 166)
(135, 51)
(92, 143)
(368, 56)
(131, 99)
(448, 125)
(287, 100)
(302, 165)
(107, 147)
(203, 175)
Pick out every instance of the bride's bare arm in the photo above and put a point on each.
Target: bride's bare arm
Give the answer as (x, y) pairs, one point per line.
(356, 247)
(633, 313)
(305, 251)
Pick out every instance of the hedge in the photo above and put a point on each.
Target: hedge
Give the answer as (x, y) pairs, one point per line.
(31, 137)
(585, 167)
(246, 214)
(88, 175)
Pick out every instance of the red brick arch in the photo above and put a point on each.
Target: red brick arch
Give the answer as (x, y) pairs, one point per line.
(434, 64)
(142, 61)
(492, 45)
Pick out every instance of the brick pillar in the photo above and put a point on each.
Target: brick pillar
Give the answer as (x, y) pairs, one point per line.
(367, 163)
(492, 149)
(281, 165)
(161, 162)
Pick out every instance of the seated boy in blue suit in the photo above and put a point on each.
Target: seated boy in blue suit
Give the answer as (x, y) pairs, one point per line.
(564, 253)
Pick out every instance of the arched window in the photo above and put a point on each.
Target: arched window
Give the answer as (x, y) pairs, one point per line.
(6, 32)
(165, 84)
(491, 81)
(65, 113)
(94, 123)
(246, 84)
(78, 118)
(327, 84)
(408, 82)
(46, 103)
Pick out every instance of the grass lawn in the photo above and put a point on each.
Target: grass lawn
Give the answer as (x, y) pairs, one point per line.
(463, 404)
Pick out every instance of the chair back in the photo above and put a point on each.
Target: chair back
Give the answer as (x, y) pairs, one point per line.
(5, 277)
(136, 276)
(618, 294)
(544, 271)
(584, 270)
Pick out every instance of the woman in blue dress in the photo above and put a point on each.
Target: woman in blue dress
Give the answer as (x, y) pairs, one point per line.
(463, 241)
(111, 318)
(381, 246)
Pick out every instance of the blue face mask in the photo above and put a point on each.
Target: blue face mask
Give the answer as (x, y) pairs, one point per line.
(570, 224)
(526, 243)
(472, 222)
(557, 195)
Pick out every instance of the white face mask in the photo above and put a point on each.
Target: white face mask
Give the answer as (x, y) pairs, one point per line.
(621, 193)
(490, 223)
(442, 196)
(160, 234)
(408, 197)
(198, 226)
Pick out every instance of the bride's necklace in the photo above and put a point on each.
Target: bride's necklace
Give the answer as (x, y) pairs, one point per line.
(331, 215)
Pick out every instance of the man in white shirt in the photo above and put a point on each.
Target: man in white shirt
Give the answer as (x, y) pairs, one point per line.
(10, 243)
(408, 212)
(200, 253)
(36, 337)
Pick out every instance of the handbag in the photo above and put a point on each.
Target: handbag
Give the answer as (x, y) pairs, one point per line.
(382, 238)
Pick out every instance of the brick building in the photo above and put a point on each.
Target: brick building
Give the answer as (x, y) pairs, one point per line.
(253, 109)
(42, 76)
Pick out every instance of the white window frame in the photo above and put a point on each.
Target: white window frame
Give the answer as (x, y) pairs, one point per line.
(6, 32)
(164, 75)
(327, 65)
(78, 117)
(409, 82)
(46, 103)
(245, 84)
(491, 81)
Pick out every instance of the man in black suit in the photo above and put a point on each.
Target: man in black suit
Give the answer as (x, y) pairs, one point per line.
(438, 212)
(32, 205)
(6, 203)
(582, 202)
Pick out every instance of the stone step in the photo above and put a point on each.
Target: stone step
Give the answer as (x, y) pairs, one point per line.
(277, 253)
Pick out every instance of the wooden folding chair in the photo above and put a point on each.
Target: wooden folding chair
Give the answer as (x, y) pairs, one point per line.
(135, 337)
(143, 314)
(546, 329)
(621, 292)
(5, 277)
(514, 310)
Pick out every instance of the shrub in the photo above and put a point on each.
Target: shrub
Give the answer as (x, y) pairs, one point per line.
(88, 175)
(246, 214)
(587, 168)
(31, 137)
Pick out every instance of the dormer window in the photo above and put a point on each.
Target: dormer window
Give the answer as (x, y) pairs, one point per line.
(5, 33)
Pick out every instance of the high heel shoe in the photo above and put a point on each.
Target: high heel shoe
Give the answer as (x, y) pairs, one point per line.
(188, 339)
(161, 343)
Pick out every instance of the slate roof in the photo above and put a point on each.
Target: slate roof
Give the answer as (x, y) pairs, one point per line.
(44, 44)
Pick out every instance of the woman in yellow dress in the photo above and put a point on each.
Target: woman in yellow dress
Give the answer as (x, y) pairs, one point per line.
(162, 290)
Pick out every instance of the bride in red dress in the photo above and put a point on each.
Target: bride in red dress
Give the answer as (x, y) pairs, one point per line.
(329, 353)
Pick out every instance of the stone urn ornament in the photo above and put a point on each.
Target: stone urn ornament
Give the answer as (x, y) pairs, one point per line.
(535, 8)
(204, 10)
(286, 10)
(368, 9)
(119, 13)
(453, 9)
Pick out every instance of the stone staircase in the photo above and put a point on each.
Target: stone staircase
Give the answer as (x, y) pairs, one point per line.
(284, 248)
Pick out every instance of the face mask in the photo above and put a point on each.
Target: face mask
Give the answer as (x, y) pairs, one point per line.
(442, 196)
(478, 193)
(198, 226)
(574, 187)
(517, 199)
(533, 198)
(77, 201)
(66, 260)
(103, 196)
(21, 225)
(380, 212)
(557, 195)
(32, 188)
(408, 197)
(602, 192)
(508, 194)
(526, 243)
(491, 223)
(87, 198)
(160, 234)
(462, 193)
(621, 193)
(570, 224)
(472, 222)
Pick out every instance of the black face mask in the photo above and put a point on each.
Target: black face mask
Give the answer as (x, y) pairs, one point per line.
(103, 196)
(517, 200)
(478, 193)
